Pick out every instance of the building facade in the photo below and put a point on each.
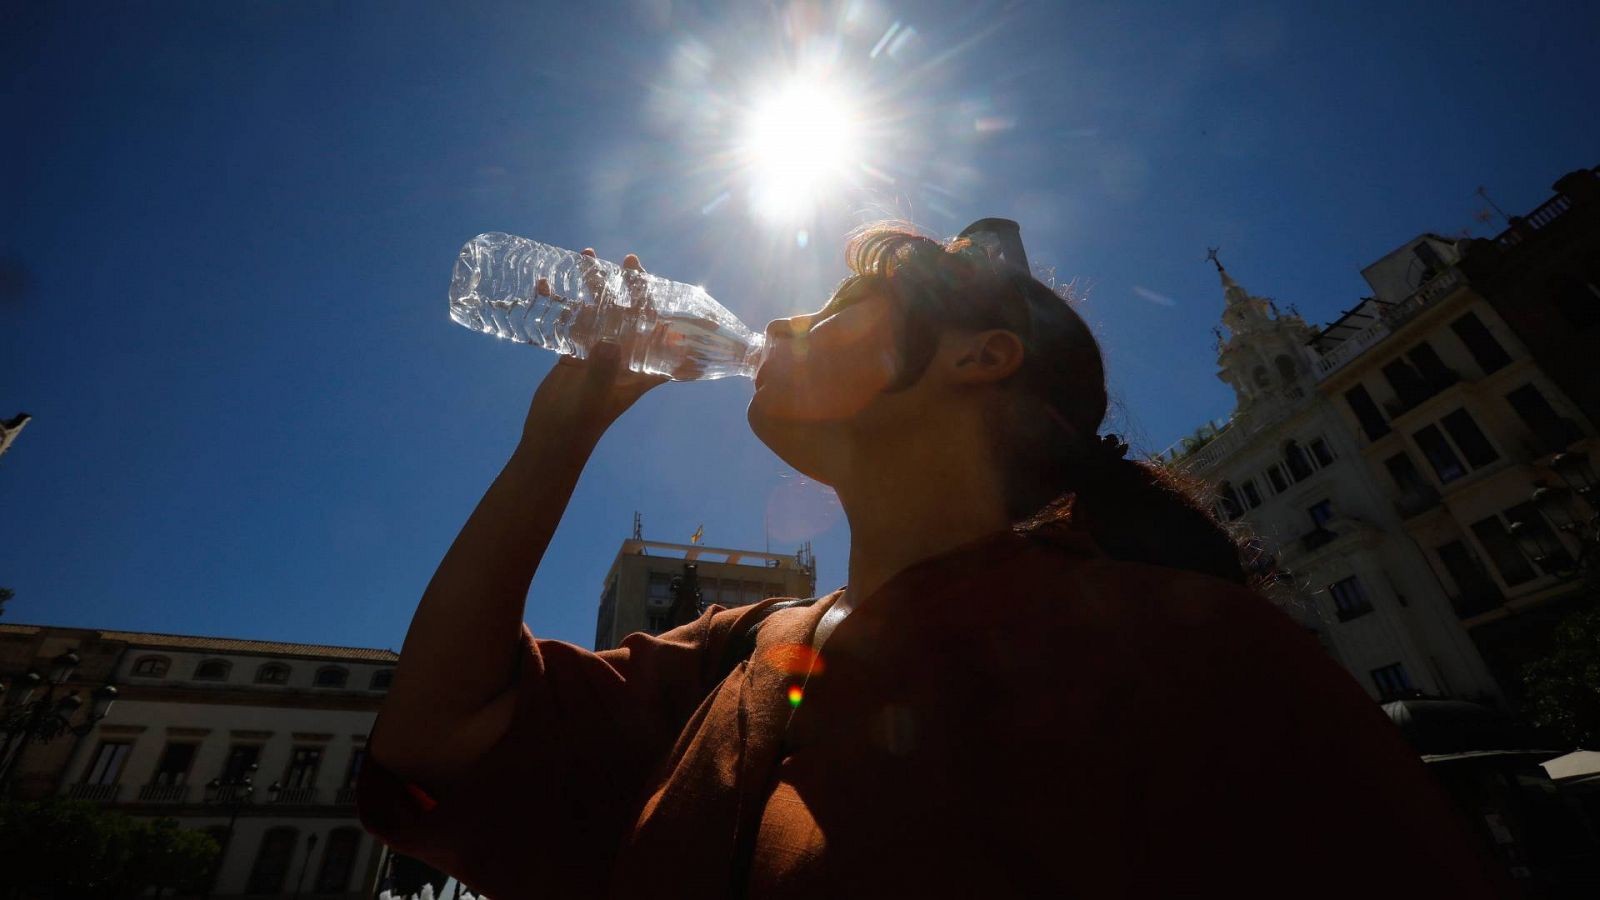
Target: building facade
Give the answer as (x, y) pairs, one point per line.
(1461, 422)
(1289, 469)
(650, 583)
(191, 711)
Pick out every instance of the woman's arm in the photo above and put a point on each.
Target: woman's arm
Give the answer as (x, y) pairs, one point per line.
(452, 696)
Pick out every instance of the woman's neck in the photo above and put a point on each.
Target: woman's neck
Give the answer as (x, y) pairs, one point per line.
(909, 507)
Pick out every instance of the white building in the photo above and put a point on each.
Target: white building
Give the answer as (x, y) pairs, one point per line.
(191, 710)
(1290, 467)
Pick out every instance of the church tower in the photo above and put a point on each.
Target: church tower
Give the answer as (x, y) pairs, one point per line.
(1263, 355)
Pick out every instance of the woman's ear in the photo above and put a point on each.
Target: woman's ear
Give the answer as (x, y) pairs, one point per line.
(983, 357)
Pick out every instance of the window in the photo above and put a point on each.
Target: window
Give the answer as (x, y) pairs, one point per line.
(303, 767)
(1477, 591)
(1502, 549)
(1490, 356)
(338, 861)
(152, 666)
(1392, 682)
(1321, 453)
(1406, 382)
(658, 622)
(1366, 411)
(106, 767)
(1349, 598)
(1474, 446)
(1297, 461)
(1437, 450)
(332, 677)
(1321, 512)
(1578, 300)
(1535, 526)
(659, 590)
(1229, 500)
(381, 680)
(212, 670)
(1404, 472)
(353, 771)
(240, 758)
(174, 765)
(1252, 496)
(272, 673)
(1276, 479)
(1434, 372)
(1550, 430)
(1287, 370)
(1261, 377)
(272, 861)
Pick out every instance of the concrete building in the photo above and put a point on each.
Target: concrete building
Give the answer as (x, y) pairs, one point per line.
(1459, 422)
(651, 584)
(193, 709)
(1289, 467)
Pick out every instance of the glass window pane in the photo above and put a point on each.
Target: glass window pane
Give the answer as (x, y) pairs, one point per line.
(1488, 353)
(1443, 459)
(1474, 446)
(1502, 549)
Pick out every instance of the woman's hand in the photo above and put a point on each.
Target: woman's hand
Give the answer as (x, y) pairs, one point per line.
(592, 393)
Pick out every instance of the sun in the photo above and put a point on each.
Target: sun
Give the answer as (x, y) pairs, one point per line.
(800, 142)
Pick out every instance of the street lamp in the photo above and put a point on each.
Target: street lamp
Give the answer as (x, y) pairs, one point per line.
(49, 717)
(233, 795)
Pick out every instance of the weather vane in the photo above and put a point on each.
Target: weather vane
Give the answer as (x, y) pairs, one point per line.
(1211, 257)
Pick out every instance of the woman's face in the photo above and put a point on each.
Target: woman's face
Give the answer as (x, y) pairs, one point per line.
(824, 376)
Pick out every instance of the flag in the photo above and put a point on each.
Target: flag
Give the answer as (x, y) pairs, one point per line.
(698, 534)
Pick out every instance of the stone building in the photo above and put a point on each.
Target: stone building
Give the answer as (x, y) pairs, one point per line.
(1289, 469)
(192, 710)
(650, 584)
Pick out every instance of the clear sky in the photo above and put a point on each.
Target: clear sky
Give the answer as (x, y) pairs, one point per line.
(226, 232)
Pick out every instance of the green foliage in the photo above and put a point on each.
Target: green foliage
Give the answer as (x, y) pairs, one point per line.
(1564, 688)
(5, 594)
(72, 850)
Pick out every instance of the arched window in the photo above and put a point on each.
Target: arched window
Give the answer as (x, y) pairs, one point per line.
(152, 666)
(1287, 370)
(1295, 458)
(212, 670)
(381, 680)
(1261, 377)
(272, 860)
(338, 861)
(332, 677)
(273, 673)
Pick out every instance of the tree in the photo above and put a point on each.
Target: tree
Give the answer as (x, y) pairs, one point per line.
(1563, 688)
(73, 850)
(5, 594)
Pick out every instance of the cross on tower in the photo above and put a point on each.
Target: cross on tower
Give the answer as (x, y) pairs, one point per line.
(1211, 257)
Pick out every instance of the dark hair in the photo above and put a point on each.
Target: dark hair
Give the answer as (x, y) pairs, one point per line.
(1054, 467)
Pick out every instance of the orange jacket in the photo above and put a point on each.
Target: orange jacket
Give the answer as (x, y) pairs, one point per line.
(1019, 717)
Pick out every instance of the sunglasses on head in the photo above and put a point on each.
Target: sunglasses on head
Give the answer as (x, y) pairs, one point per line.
(1000, 240)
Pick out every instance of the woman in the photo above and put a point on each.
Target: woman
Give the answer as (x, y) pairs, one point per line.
(1046, 677)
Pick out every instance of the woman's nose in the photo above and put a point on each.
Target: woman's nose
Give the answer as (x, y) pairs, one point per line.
(785, 328)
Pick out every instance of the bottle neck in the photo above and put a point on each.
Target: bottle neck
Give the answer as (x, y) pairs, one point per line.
(754, 356)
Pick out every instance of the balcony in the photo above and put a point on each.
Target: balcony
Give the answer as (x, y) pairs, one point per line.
(296, 796)
(1394, 315)
(163, 793)
(1552, 437)
(346, 796)
(95, 793)
(1477, 601)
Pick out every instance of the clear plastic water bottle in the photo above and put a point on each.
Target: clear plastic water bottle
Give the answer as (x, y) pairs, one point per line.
(532, 293)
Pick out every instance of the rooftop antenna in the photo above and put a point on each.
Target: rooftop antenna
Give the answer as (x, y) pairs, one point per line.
(638, 526)
(1484, 193)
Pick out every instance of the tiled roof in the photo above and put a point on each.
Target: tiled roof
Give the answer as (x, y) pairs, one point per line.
(229, 645)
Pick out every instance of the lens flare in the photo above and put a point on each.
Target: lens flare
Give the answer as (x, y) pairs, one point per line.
(796, 694)
(801, 140)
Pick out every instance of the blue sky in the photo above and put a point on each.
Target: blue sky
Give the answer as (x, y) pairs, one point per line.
(227, 232)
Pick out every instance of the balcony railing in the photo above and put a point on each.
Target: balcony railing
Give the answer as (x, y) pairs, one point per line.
(163, 793)
(98, 793)
(296, 795)
(1394, 316)
(346, 796)
(1548, 212)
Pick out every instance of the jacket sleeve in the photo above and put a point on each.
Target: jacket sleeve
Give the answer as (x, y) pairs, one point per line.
(547, 807)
